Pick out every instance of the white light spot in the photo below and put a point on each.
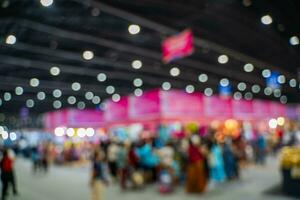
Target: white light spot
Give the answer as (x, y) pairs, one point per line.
(283, 99)
(110, 89)
(266, 73)
(71, 100)
(57, 93)
(46, 3)
(224, 82)
(175, 71)
(255, 88)
(281, 79)
(90, 132)
(29, 103)
(116, 97)
(76, 86)
(248, 67)
(248, 96)
(277, 93)
(13, 136)
(134, 29)
(19, 90)
(11, 39)
(88, 55)
(59, 131)
(189, 89)
(7, 96)
(237, 96)
(203, 78)
(223, 59)
(81, 105)
(268, 91)
(57, 104)
(101, 77)
(138, 92)
(41, 96)
(136, 64)
(89, 95)
(137, 82)
(293, 83)
(208, 92)
(294, 40)
(34, 82)
(267, 20)
(272, 123)
(4, 135)
(81, 132)
(70, 132)
(96, 100)
(54, 71)
(242, 86)
(166, 86)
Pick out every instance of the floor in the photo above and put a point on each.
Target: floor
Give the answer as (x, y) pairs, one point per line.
(71, 183)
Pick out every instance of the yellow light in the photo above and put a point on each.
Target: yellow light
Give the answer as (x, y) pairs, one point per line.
(231, 124)
(280, 121)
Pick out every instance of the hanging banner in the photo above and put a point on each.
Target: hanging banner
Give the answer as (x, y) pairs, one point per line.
(116, 111)
(177, 46)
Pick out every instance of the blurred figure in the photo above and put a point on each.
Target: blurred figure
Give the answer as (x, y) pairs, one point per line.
(230, 162)
(45, 154)
(261, 149)
(122, 164)
(112, 151)
(35, 158)
(216, 163)
(196, 176)
(7, 174)
(99, 177)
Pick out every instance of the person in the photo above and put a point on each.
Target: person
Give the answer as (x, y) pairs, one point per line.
(122, 164)
(196, 176)
(35, 157)
(230, 162)
(112, 152)
(7, 174)
(216, 163)
(261, 149)
(99, 176)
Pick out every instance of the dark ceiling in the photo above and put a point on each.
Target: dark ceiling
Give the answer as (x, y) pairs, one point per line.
(58, 35)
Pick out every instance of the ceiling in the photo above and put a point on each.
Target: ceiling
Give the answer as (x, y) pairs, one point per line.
(58, 35)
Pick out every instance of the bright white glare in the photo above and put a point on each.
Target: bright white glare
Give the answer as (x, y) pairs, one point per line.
(88, 55)
(101, 77)
(255, 88)
(76, 86)
(41, 96)
(57, 104)
(248, 67)
(59, 131)
(110, 89)
(189, 89)
(11, 39)
(116, 97)
(54, 71)
(136, 64)
(203, 78)
(4, 135)
(29, 103)
(19, 90)
(96, 100)
(175, 71)
(268, 91)
(267, 20)
(224, 82)
(134, 29)
(223, 59)
(81, 105)
(138, 92)
(242, 86)
(34, 82)
(266, 73)
(237, 96)
(283, 99)
(70, 132)
(294, 40)
(208, 92)
(137, 82)
(293, 82)
(89, 95)
(46, 3)
(90, 132)
(280, 121)
(7, 96)
(277, 93)
(57, 93)
(13, 136)
(166, 86)
(281, 79)
(71, 100)
(272, 123)
(81, 132)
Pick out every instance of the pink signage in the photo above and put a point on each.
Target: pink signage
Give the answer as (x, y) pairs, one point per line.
(242, 109)
(144, 107)
(217, 107)
(179, 104)
(277, 109)
(177, 46)
(261, 109)
(85, 118)
(116, 111)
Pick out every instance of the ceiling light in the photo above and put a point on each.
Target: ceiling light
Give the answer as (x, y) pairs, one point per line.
(89, 95)
(101, 77)
(138, 92)
(248, 67)
(203, 78)
(283, 99)
(70, 132)
(189, 89)
(137, 82)
(242, 86)
(57, 93)
(29, 103)
(54, 71)
(19, 90)
(57, 104)
(208, 92)
(134, 29)
(267, 19)
(41, 95)
(11, 39)
(81, 105)
(110, 89)
(294, 40)
(88, 55)
(76, 86)
(266, 73)
(281, 79)
(96, 100)
(46, 3)
(223, 59)
(268, 91)
(7, 96)
(255, 88)
(166, 86)
(71, 100)
(34, 82)
(293, 82)
(248, 96)
(175, 71)
(116, 97)
(277, 93)
(136, 64)
(59, 131)
(90, 132)
(237, 96)
(224, 82)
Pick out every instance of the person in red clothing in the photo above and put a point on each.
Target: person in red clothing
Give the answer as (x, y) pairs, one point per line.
(7, 174)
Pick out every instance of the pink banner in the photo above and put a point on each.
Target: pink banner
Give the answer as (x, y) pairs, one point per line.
(242, 109)
(261, 109)
(85, 118)
(277, 109)
(217, 107)
(177, 46)
(117, 111)
(144, 107)
(179, 104)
